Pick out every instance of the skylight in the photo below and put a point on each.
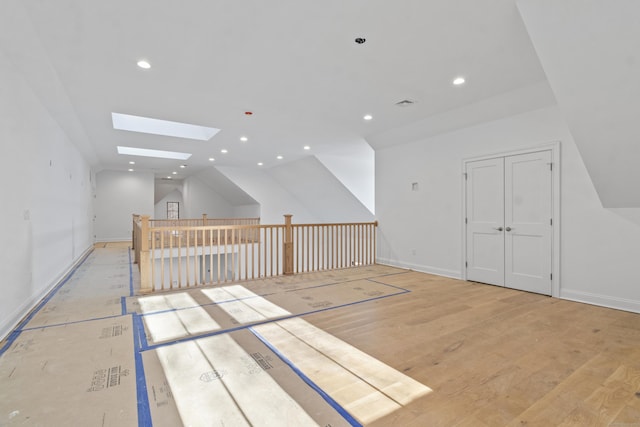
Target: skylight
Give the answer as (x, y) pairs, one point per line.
(162, 127)
(153, 153)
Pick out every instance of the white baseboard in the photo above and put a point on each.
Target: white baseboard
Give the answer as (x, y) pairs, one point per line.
(601, 300)
(113, 239)
(14, 318)
(421, 268)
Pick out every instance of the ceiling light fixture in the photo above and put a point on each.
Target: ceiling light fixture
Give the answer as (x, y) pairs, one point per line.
(279, 157)
(174, 173)
(144, 64)
(458, 81)
(244, 139)
(306, 147)
(211, 159)
(183, 166)
(224, 151)
(132, 162)
(169, 177)
(368, 117)
(130, 170)
(144, 152)
(260, 163)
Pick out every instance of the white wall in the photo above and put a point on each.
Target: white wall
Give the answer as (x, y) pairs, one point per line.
(46, 192)
(317, 189)
(246, 211)
(354, 165)
(599, 249)
(200, 199)
(274, 200)
(160, 209)
(118, 196)
(304, 188)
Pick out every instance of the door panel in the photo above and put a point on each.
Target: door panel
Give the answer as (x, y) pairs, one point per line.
(485, 215)
(528, 216)
(508, 221)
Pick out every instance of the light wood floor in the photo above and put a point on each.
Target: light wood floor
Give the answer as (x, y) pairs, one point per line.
(491, 356)
(499, 357)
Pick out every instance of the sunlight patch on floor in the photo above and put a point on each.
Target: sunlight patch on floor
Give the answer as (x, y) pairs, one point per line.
(252, 308)
(214, 381)
(178, 322)
(364, 386)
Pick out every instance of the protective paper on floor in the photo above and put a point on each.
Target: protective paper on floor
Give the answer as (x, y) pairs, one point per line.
(274, 285)
(95, 290)
(233, 380)
(365, 387)
(80, 374)
(225, 308)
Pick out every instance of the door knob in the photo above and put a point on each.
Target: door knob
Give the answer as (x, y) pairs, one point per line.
(499, 228)
(508, 229)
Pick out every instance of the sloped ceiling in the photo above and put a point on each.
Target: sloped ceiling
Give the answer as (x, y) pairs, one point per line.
(293, 63)
(320, 192)
(590, 52)
(226, 188)
(296, 66)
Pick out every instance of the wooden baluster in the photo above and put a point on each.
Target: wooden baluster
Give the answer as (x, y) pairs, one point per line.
(288, 245)
(145, 257)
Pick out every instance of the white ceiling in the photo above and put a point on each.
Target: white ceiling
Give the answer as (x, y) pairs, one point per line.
(296, 66)
(293, 63)
(590, 50)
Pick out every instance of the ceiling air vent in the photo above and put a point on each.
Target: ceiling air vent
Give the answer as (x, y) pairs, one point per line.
(405, 103)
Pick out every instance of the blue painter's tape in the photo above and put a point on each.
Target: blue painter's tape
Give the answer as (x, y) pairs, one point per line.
(16, 333)
(130, 277)
(117, 316)
(143, 344)
(335, 405)
(386, 284)
(238, 328)
(123, 302)
(144, 412)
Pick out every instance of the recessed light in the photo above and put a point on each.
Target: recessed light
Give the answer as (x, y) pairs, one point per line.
(224, 151)
(244, 139)
(130, 170)
(174, 173)
(368, 117)
(458, 81)
(132, 162)
(144, 152)
(279, 157)
(169, 177)
(183, 166)
(211, 159)
(306, 147)
(260, 163)
(144, 64)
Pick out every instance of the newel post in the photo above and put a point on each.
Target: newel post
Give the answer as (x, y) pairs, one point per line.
(288, 245)
(204, 219)
(145, 256)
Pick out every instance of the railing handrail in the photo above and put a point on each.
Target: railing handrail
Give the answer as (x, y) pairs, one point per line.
(191, 254)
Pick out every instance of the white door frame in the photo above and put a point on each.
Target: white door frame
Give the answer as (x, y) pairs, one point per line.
(555, 190)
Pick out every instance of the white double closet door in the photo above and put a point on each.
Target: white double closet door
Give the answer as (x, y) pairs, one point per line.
(509, 221)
